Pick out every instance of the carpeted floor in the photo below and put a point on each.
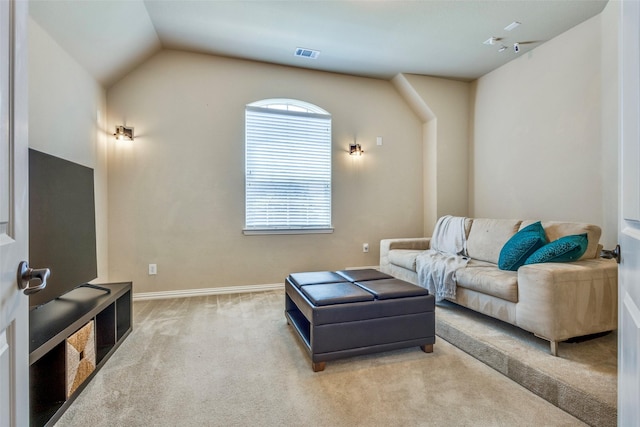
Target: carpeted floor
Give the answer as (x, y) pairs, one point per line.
(582, 380)
(231, 360)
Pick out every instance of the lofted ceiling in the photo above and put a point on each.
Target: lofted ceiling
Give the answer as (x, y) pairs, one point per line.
(366, 38)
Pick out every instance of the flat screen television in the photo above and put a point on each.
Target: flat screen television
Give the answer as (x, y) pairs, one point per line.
(62, 224)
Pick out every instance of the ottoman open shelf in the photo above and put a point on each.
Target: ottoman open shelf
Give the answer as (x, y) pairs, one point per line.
(354, 312)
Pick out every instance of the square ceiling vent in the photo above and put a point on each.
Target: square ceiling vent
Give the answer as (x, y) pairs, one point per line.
(307, 53)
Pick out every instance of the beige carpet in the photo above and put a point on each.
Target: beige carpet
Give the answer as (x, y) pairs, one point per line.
(582, 380)
(231, 360)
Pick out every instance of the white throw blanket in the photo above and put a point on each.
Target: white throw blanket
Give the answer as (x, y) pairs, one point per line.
(449, 237)
(437, 266)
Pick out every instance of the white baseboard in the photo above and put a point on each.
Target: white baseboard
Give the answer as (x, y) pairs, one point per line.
(363, 267)
(206, 291)
(141, 296)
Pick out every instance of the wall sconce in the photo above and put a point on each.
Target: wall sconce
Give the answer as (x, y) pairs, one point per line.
(123, 133)
(355, 149)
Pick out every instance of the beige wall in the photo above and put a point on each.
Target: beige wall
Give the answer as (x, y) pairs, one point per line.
(609, 25)
(176, 194)
(443, 107)
(67, 112)
(543, 135)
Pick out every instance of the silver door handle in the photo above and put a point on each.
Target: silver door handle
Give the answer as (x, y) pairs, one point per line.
(27, 274)
(613, 254)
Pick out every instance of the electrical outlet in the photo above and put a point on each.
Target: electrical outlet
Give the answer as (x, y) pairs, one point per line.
(153, 269)
(365, 247)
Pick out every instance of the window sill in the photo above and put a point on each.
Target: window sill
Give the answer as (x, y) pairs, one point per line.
(254, 232)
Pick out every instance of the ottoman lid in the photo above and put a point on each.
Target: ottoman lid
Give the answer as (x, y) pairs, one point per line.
(363, 274)
(335, 293)
(315, 277)
(392, 288)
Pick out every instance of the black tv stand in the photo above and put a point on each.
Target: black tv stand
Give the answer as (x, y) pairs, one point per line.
(98, 287)
(51, 324)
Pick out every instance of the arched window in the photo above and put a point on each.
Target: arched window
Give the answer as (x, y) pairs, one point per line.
(287, 167)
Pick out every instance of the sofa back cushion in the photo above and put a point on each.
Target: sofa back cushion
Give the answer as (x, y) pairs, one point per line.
(467, 226)
(488, 236)
(557, 229)
(405, 258)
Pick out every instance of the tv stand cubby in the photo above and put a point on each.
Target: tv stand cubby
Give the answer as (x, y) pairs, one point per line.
(52, 324)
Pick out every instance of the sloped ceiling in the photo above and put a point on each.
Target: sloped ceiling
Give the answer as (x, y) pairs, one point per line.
(367, 38)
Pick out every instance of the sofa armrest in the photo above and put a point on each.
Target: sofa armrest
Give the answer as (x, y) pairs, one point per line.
(415, 243)
(557, 301)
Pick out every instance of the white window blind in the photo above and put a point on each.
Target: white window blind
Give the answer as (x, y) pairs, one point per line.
(288, 170)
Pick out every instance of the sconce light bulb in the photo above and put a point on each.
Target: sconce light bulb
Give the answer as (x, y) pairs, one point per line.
(123, 132)
(355, 149)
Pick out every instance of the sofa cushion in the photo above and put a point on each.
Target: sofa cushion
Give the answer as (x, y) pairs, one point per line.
(565, 249)
(521, 245)
(488, 236)
(405, 258)
(488, 279)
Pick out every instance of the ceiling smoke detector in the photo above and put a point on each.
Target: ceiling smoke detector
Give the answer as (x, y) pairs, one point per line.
(306, 53)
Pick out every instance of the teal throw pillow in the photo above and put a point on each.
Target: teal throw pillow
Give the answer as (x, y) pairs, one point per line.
(521, 245)
(565, 249)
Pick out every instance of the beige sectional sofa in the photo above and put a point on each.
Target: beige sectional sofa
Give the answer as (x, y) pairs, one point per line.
(555, 301)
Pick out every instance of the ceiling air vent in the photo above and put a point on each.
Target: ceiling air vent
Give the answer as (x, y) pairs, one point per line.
(307, 53)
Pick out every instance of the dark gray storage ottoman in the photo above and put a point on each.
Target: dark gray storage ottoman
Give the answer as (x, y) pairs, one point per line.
(353, 312)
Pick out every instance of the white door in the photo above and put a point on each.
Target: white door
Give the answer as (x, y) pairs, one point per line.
(629, 271)
(14, 305)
